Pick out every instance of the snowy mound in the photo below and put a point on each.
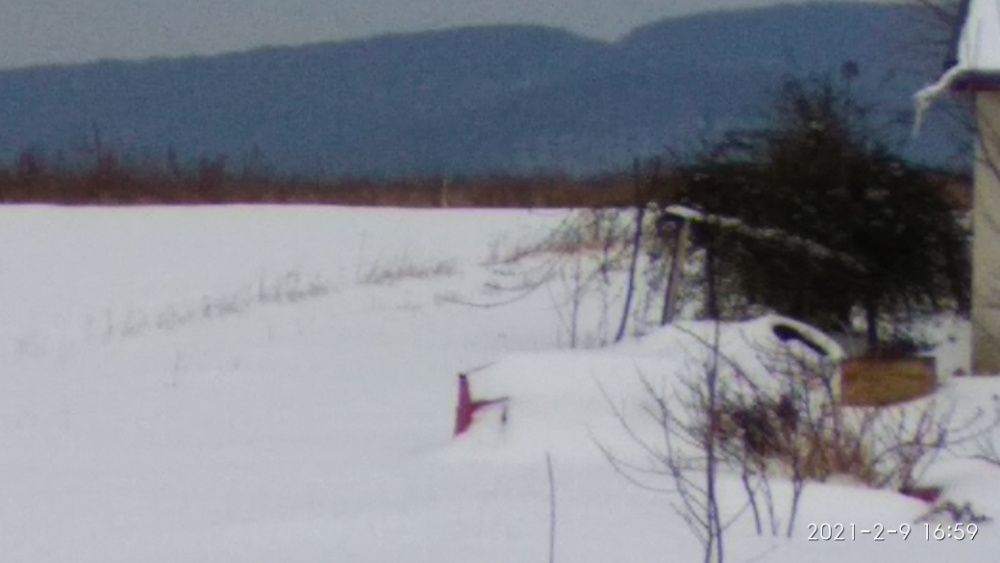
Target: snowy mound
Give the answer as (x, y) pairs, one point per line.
(567, 401)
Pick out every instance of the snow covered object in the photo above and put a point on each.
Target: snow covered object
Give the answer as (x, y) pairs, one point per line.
(549, 401)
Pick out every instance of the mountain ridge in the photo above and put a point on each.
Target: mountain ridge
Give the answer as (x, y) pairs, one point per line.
(470, 100)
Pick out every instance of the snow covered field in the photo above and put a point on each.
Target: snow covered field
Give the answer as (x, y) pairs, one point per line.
(245, 384)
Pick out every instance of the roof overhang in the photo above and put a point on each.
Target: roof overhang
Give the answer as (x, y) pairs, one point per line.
(976, 80)
(976, 64)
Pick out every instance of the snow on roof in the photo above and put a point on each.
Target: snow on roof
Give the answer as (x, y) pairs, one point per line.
(979, 44)
(977, 55)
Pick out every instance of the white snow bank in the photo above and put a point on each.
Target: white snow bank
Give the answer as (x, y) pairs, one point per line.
(317, 430)
(565, 401)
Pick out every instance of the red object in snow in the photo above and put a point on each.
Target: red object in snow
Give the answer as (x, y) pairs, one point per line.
(926, 494)
(463, 413)
(467, 407)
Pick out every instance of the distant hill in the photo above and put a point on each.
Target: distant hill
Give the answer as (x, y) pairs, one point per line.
(509, 99)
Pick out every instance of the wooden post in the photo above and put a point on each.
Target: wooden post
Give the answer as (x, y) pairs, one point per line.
(682, 234)
(640, 213)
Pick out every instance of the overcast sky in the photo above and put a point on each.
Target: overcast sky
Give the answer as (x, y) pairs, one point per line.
(60, 31)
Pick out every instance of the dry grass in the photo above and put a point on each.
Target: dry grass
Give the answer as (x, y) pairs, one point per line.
(289, 287)
(763, 433)
(380, 274)
(119, 186)
(881, 446)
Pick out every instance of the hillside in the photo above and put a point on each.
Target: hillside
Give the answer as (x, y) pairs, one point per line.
(466, 101)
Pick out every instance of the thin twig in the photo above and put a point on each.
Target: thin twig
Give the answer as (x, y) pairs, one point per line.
(552, 507)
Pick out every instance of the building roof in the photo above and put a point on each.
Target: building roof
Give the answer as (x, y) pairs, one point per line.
(976, 64)
(978, 49)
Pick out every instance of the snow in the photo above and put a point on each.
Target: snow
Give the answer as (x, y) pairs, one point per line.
(227, 384)
(979, 46)
(775, 236)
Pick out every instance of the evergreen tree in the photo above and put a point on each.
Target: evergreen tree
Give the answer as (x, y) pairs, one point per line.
(830, 219)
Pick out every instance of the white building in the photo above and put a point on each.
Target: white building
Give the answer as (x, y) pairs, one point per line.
(977, 70)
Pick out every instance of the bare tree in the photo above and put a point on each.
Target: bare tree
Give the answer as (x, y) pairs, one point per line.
(778, 421)
(687, 452)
